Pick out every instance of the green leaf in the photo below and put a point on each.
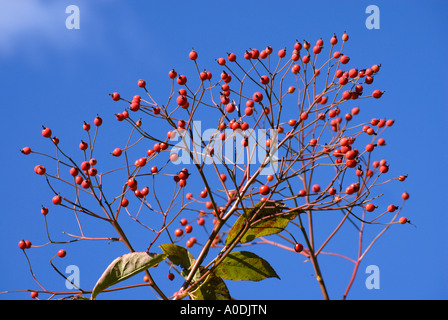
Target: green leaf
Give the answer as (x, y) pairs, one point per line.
(245, 265)
(178, 255)
(125, 267)
(213, 288)
(267, 222)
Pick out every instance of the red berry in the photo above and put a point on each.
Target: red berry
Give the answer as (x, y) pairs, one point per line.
(201, 221)
(178, 232)
(124, 202)
(203, 194)
(115, 96)
(221, 61)
(334, 40)
(39, 169)
(172, 74)
(141, 83)
(316, 188)
(183, 222)
(98, 121)
(282, 53)
(34, 294)
(345, 37)
(405, 196)
(26, 150)
(22, 244)
(188, 228)
(370, 147)
(62, 253)
(231, 57)
(403, 220)
(46, 132)
(264, 79)
(44, 210)
(193, 55)
(83, 145)
(264, 190)
(298, 247)
(370, 207)
(92, 172)
(344, 59)
(85, 165)
(171, 276)
(132, 184)
(257, 97)
(182, 80)
(377, 94)
(230, 108)
(392, 208)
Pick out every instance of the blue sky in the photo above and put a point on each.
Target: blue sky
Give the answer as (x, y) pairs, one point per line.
(59, 78)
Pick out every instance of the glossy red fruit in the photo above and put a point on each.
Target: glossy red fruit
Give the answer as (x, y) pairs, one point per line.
(141, 83)
(391, 208)
(85, 165)
(83, 145)
(171, 276)
(39, 169)
(22, 244)
(26, 150)
(172, 74)
(92, 172)
(34, 294)
(257, 97)
(117, 152)
(264, 189)
(188, 228)
(193, 55)
(231, 57)
(201, 221)
(183, 222)
(377, 94)
(230, 108)
(282, 53)
(182, 80)
(62, 253)
(44, 210)
(264, 79)
(370, 207)
(405, 196)
(344, 59)
(132, 183)
(115, 96)
(124, 202)
(178, 232)
(98, 121)
(46, 132)
(298, 247)
(316, 188)
(403, 220)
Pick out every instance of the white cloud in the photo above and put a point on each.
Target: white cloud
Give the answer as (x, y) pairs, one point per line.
(24, 24)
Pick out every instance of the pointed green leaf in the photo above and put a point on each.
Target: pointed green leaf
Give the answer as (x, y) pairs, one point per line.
(213, 288)
(178, 255)
(245, 265)
(125, 267)
(266, 222)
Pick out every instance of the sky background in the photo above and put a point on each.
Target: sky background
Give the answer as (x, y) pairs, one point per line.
(57, 77)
